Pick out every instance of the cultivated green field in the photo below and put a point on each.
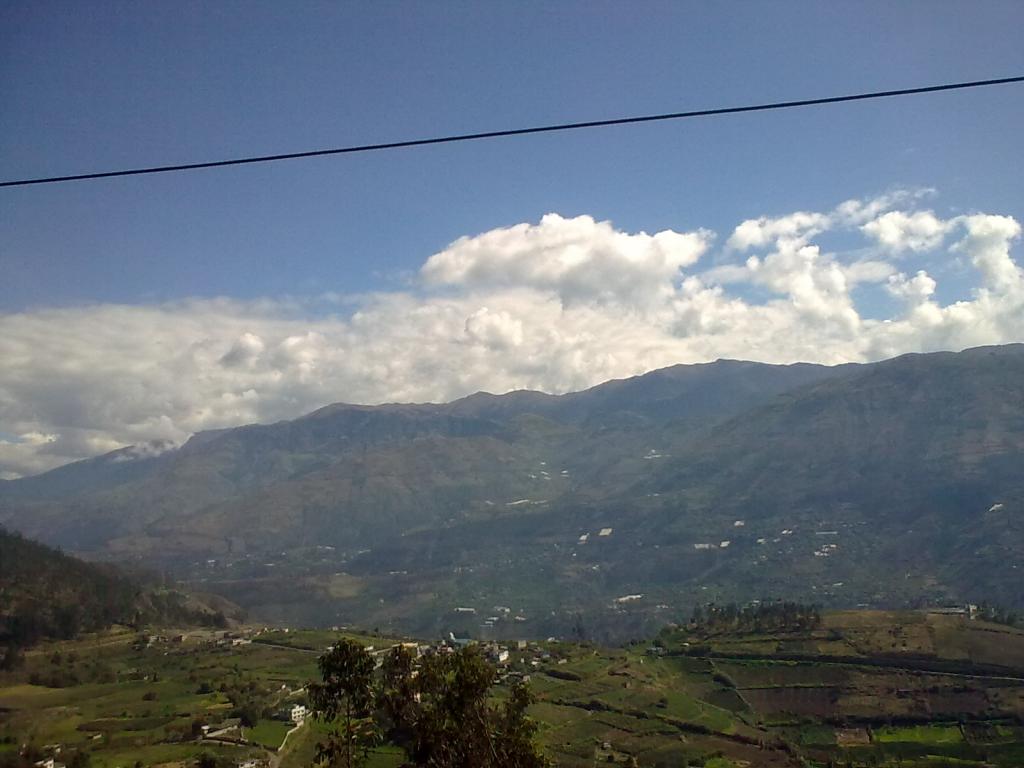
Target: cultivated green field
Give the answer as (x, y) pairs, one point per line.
(851, 693)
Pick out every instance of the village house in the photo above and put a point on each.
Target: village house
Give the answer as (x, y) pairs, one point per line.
(498, 655)
(458, 642)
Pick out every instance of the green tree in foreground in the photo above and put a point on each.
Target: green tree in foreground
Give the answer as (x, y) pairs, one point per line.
(438, 709)
(346, 698)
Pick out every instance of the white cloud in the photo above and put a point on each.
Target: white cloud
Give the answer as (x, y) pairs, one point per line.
(868, 271)
(988, 245)
(495, 330)
(915, 290)
(559, 305)
(245, 352)
(17, 453)
(994, 314)
(794, 230)
(580, 259)
(897, 231)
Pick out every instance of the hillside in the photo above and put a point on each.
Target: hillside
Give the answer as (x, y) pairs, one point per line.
(919, 428)
(46, 594)
(891, 484)
(477, 448)
(856, 688)
(912, 465)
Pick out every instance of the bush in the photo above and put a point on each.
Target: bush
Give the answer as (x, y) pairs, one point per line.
(723, 679)
(562, 674)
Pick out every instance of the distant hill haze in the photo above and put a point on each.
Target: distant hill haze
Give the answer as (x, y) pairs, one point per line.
(891, 483)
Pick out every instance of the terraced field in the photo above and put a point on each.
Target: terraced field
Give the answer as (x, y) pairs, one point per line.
(848, 692)
(872, 687)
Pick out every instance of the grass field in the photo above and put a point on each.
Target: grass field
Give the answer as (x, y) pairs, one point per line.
(268, 733)
(153, 699)
(127, 701)
(921, 734)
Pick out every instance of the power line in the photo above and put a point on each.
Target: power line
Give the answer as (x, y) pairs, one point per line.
(515, 132)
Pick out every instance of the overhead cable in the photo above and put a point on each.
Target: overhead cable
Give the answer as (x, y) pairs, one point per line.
(451, 139)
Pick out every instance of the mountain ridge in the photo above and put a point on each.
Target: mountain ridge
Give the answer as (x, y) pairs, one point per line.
(505, 485)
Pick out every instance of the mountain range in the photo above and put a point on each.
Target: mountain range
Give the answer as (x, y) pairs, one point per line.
(606, 510)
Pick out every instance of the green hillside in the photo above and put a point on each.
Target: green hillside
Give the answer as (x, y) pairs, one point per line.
(46, 594)
(856, 688)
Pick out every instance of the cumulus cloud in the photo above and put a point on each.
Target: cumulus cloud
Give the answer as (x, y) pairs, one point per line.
(915, 290)
(558, 305)
(794, 230)
(494, 330)
(580, 259)
(245, 352)
(18, 453)
(897, 231)
(987, 244)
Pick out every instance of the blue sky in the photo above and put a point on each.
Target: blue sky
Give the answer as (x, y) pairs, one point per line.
(104, 85)
(148, 308)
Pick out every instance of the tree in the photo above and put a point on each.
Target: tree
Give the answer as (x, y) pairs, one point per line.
(345, 697)
(438, 709)
(209, 760)
(516, 734)
(13, 658)
(397, 696)
(248, 713)
(443, 718)
(450, 725)
(579, 630)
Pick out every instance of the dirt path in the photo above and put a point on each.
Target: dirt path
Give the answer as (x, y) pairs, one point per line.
(278, 756)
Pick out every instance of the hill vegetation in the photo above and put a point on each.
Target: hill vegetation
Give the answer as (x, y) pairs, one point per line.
(617, 509)
(854, 688)
(48, 595)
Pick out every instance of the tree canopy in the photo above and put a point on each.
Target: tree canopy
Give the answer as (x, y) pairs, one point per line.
(441, 709)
